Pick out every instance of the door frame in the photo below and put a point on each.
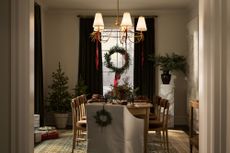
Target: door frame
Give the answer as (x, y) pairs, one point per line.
(213, 54)
(213, 83)
(22, 76)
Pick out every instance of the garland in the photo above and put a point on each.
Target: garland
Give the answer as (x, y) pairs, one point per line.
(109, 64)
(103, 118)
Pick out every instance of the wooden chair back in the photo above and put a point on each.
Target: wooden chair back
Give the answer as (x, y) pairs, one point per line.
(161, 122)
(78, 118)
(164, 110)
(82, 101)
(74, 112)
(157, 107)
(78, 108)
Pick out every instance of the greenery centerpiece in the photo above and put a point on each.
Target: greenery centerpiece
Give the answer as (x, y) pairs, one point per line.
(169, 63)
(122, 92)
(58, 97)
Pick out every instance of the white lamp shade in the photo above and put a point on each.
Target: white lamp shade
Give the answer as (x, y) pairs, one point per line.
(126, 20)
(141, 25)
(98, 28)
(98, 23)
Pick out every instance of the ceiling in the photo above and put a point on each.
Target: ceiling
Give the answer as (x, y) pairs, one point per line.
(112, 4)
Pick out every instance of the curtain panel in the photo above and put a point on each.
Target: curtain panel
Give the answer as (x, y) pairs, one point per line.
(144, 71)
(87, 58)
(38, 67)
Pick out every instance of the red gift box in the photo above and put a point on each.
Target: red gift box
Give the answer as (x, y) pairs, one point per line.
(50, 135)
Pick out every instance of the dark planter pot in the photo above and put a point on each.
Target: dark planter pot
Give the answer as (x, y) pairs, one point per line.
(165, 77)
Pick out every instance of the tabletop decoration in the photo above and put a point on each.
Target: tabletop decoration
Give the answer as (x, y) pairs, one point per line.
(123, 91)
(103, 117)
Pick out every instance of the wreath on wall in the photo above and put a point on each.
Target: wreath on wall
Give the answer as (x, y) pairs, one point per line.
(109, 64)
(103, 118)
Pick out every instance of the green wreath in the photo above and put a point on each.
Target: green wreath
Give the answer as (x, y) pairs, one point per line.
(103, 118)
(110, 65)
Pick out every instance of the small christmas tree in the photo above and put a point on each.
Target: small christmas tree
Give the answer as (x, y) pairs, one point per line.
(58, 97)
(80, 88)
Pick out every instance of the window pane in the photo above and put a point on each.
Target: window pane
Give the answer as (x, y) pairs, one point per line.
(108, 78)
(117, 59)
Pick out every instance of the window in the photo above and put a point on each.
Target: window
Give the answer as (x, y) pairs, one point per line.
(117, 59)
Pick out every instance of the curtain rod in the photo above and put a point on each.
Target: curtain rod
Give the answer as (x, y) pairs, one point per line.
(88, 16)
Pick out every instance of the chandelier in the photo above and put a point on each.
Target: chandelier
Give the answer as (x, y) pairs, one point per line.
(124, 28)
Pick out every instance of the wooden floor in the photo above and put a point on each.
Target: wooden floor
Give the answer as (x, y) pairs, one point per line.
(178, 139)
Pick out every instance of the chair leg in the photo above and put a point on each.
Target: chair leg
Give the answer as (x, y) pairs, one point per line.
(190, 148)
(161, 138)
(164, 139)
(74, 140)
(78, 135)
(167, 140)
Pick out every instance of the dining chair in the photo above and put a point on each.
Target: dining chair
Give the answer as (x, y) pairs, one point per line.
(141, 98)
(193, 135)
(83, 101)
(160, 124)
(156, 109)
(123, 134)
(78, 118)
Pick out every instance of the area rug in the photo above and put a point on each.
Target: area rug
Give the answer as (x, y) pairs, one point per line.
(178, 143)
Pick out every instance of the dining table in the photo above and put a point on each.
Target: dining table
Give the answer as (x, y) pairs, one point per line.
(141, 110)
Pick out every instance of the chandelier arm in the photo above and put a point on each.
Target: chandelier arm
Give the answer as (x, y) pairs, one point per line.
(108, 37)
(131, 40)
(138, 36)
(98, 36)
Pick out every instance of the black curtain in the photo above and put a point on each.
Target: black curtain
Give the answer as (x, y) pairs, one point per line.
(87, 58)
(38, 74)
(144, 77)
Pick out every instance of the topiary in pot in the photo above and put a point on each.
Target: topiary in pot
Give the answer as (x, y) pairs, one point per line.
(59, 98)
(169, 63)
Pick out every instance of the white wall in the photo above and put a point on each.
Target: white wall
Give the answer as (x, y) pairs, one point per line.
(5, 75)
(193, 61)
(61, 43)
(171, 36)
(193, 9)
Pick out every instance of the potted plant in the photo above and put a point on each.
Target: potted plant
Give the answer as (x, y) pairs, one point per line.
(169, 63)
(59, 98)
(80, 88)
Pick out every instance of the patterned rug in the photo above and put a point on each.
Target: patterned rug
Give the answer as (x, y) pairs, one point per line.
(178, 143)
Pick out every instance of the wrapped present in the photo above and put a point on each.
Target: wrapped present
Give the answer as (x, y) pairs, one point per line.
(37, 136)
(47, 132)
(53, 134)
(36, 121)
